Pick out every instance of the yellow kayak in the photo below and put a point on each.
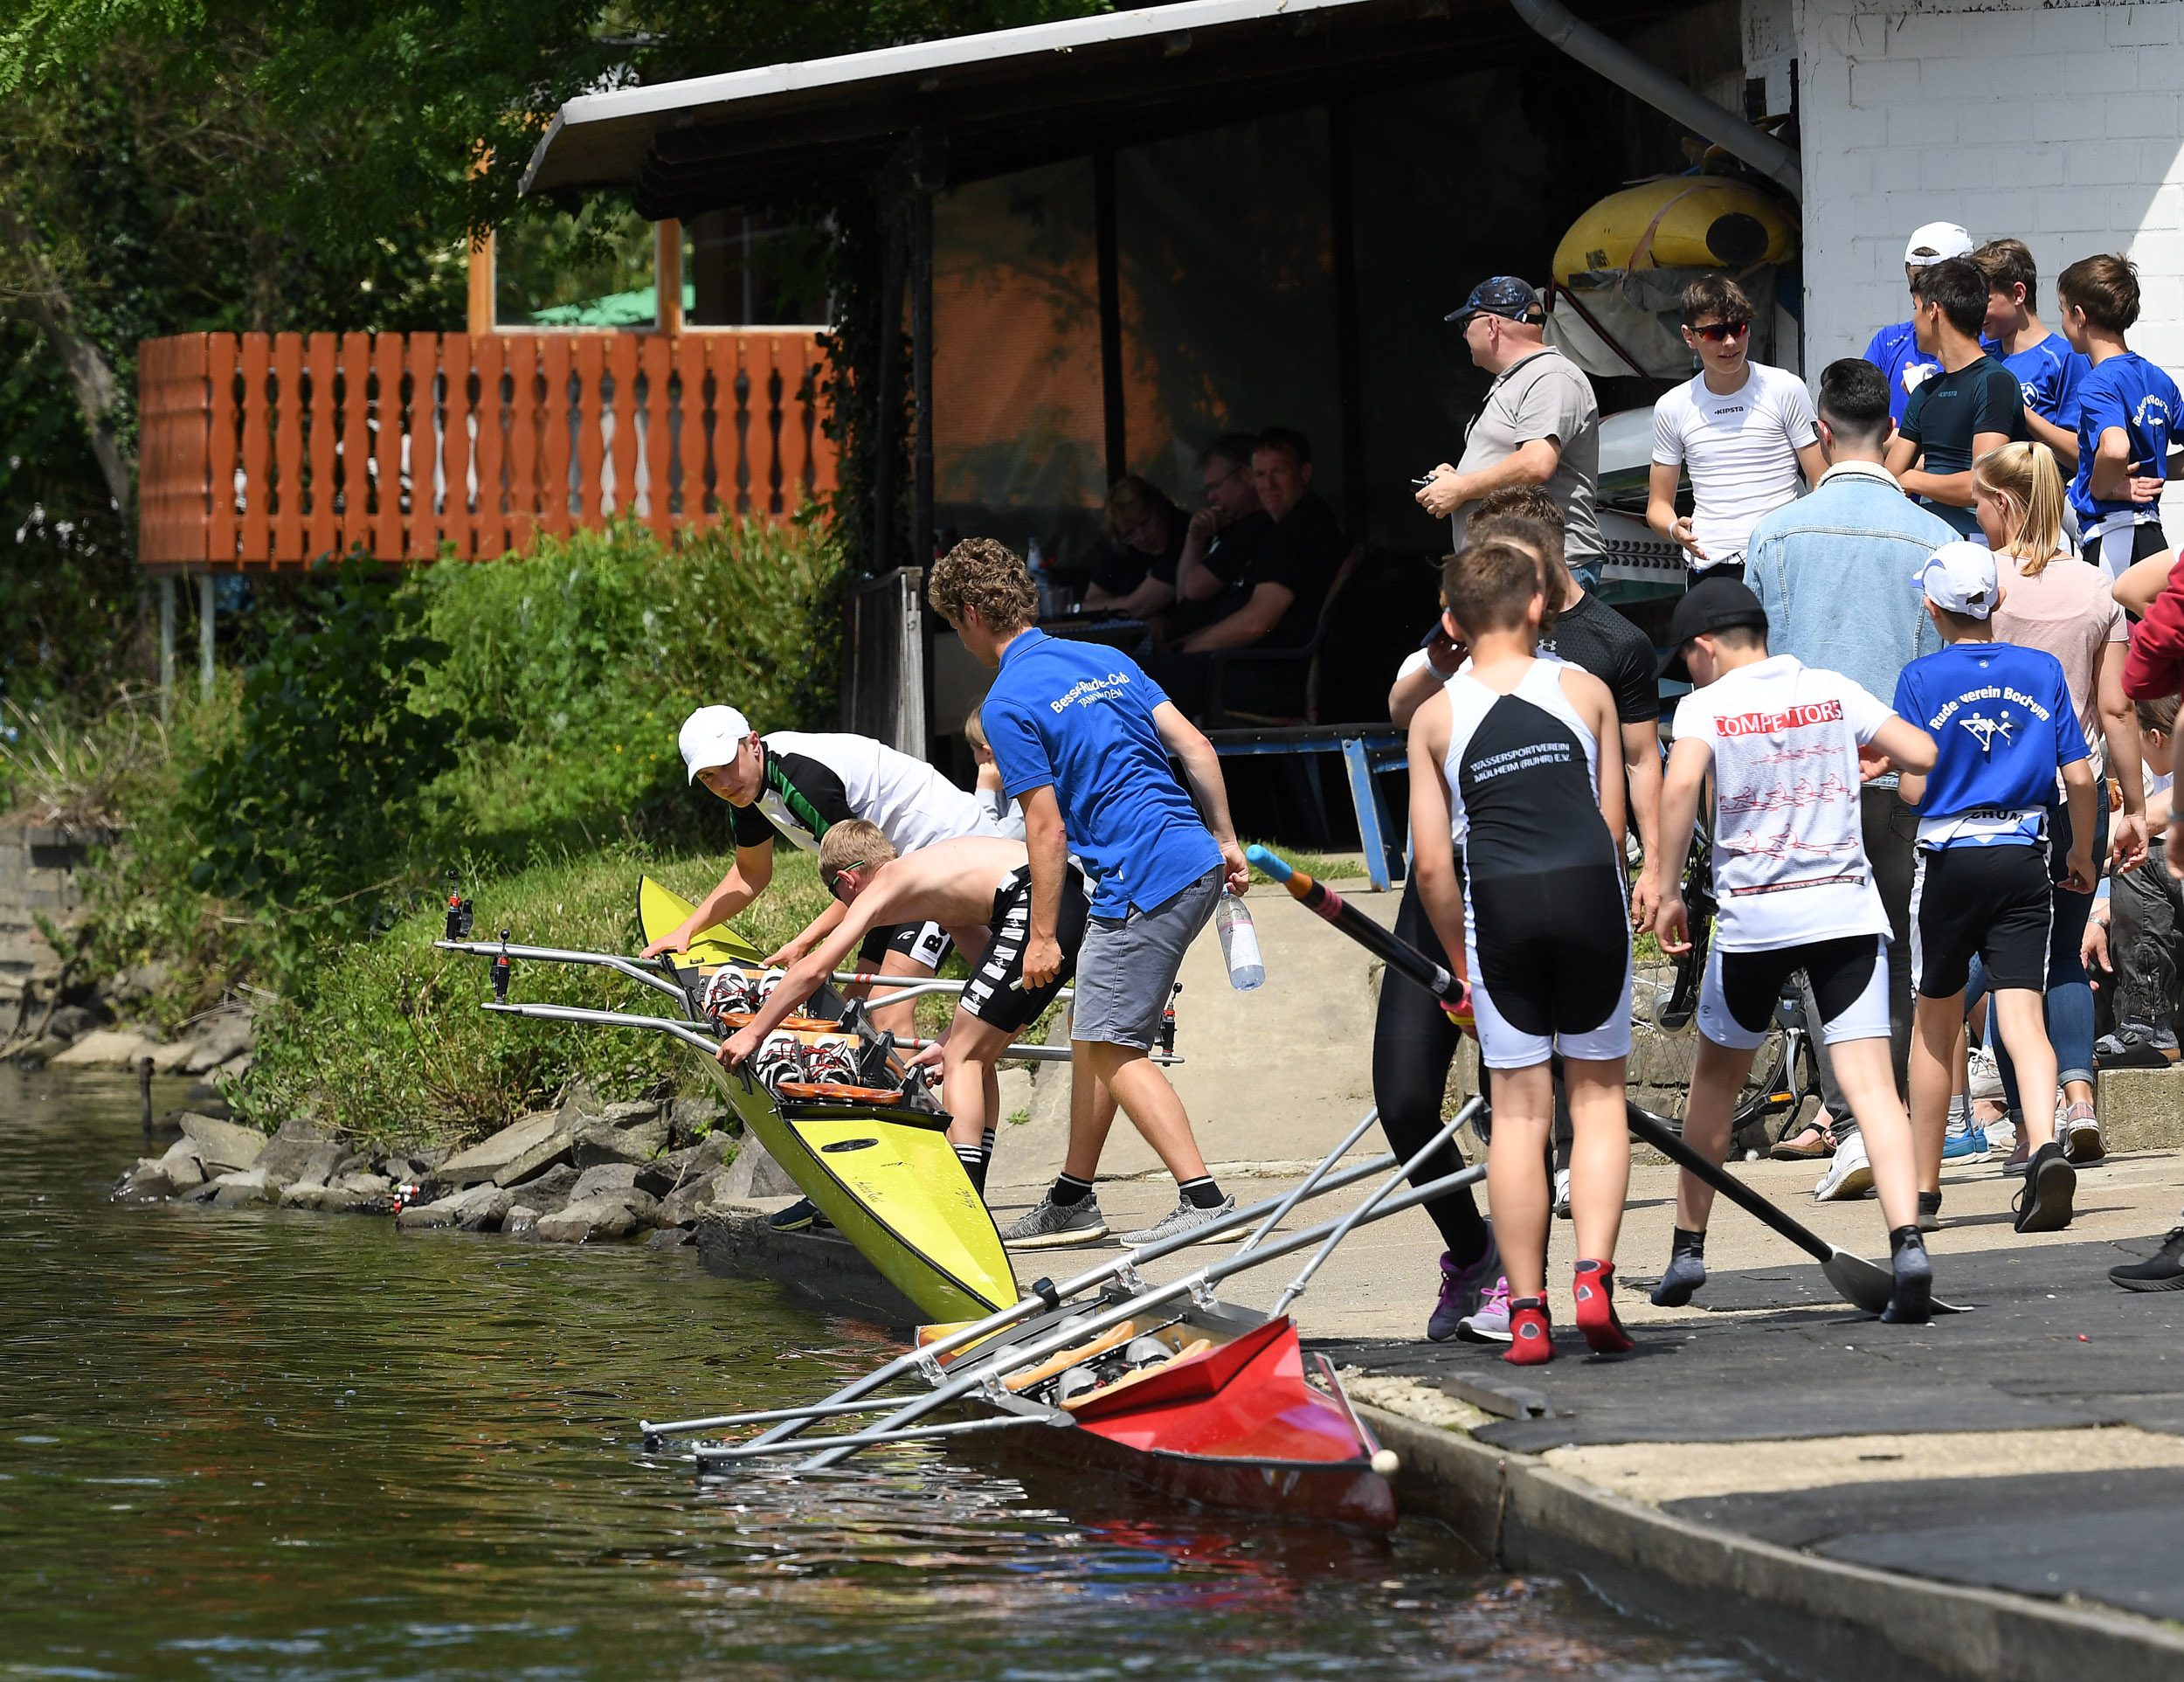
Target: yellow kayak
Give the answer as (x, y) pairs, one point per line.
(884, 1175)
(1679, 222)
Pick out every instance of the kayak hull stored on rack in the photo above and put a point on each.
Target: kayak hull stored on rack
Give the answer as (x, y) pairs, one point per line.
(884, 1175)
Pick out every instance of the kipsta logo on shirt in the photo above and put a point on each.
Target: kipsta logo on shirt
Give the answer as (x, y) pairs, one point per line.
(1987, 730)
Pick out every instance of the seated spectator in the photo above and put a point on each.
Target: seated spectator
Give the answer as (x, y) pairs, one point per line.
(1134, 573)
(2147, 905)
(1276, 603)
(1226, 536)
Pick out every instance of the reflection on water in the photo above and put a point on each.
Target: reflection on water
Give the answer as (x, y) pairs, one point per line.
(297, 1446)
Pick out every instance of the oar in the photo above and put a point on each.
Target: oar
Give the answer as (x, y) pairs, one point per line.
(1044, 1299)
(1199, 1286)
(1863, 1283)
(1866, 1284)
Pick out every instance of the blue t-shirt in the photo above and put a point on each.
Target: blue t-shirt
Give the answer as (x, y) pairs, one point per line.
(2049, 373)
(2004, 723)
(1078, 717)
(2128, 391)
(1895, 351)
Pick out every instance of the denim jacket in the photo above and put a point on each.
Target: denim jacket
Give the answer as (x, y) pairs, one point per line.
(1833, 570)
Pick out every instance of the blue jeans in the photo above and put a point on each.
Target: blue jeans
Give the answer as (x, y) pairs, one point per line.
(2070, 999)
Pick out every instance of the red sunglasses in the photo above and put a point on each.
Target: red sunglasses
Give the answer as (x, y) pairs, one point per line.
(1722, 332)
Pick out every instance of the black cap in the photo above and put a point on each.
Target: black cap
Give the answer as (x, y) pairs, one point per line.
(1710, 605)
(1501, 294)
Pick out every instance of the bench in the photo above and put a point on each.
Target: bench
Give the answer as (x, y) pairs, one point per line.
(1367, 751)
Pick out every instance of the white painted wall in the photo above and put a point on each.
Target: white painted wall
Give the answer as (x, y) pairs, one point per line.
(2055, 120)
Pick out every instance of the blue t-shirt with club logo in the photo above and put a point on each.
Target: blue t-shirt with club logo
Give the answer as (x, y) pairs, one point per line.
(2003, 725)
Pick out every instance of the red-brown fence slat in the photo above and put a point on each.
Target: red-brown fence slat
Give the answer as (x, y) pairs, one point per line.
(621, 367)
(693, 440)
(590, 364)
(489, 355)
(658, 354)
(386, 449)
(455, 524)
(288, 486)
(253, 517)
(324, 352)
(355, 509)
(219, 366)
(555, 444)
(175, 412)
(526, 431)
(423, 523)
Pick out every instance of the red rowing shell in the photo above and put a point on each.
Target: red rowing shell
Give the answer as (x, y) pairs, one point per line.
(1236, 1428)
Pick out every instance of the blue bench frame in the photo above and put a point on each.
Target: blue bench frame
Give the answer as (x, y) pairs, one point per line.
(1368, 751)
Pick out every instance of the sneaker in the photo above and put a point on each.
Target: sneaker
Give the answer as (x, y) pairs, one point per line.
(1562, 1193)
(802, 1215)
(1849, 1175)
(1055, 1226)
(2020, 1152)
(1185, 1216)
(1531, 1338)
(1961, 1141)
(1463, 1291)
(2163, 1271)
(2044, 1205)
(1491, 1324)
(2081, 1131)
(1985, 1075)
(2131, 1047)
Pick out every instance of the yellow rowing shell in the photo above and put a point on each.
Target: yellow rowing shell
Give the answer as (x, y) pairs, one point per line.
(886, 1176)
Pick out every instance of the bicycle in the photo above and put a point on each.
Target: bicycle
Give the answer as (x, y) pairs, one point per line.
(1665, 1033)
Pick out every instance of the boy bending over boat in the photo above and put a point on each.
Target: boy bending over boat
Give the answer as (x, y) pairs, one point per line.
(798, 784)
(974, 879)
(1506, 762)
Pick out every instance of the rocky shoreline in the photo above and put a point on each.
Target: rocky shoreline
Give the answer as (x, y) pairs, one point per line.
(583, 1171)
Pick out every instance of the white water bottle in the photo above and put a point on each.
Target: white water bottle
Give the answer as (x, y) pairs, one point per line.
(1240, 944)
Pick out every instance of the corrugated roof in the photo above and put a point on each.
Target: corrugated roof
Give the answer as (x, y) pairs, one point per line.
(1009, 99)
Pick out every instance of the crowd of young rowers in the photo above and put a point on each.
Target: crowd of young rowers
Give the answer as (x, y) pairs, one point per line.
(1921, 870)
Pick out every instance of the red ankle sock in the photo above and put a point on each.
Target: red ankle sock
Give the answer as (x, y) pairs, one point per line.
(1595, 1290)
(1530, 1338)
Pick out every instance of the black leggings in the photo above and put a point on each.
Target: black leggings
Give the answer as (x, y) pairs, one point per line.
(1414, 1042)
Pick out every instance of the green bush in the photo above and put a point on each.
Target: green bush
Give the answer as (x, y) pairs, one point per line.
(392, 1045)
(587, 656)
(305, 809)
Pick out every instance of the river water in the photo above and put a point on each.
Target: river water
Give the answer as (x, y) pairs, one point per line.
(265, 1446)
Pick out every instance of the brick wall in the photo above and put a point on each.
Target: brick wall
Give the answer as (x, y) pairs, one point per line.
(2055, 121)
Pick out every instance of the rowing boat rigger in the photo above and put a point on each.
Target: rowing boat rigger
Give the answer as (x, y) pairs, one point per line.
(1165, 1388)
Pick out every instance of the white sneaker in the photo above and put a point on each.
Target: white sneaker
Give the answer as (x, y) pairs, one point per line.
(1562, 1193)
(1848, 1173)
(1985, 1075)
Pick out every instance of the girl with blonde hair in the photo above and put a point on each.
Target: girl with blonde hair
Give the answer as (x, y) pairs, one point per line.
(2052, 600)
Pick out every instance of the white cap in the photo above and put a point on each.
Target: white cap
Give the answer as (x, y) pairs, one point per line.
(711, 736)
(1936, 243)
(1960, 577)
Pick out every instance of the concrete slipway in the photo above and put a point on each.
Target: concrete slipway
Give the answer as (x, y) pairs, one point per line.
(2000, 1494)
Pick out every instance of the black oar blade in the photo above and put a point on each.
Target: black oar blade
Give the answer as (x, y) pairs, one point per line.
(1862, 1284)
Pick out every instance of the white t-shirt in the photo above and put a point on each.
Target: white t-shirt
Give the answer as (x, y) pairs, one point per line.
(812, 780)
(1789, 846)
(1741, 449)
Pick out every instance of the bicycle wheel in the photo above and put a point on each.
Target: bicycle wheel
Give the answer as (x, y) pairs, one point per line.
(1661, 1059)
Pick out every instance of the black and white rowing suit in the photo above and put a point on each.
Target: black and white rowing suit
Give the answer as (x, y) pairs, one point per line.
(810, 782)
(995, 993)
(1544, 927)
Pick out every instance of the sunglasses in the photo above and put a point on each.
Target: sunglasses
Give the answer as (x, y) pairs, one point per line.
(1722, 332)
(834, 882)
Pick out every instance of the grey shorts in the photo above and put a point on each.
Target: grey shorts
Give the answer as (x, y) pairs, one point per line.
(1127, 964)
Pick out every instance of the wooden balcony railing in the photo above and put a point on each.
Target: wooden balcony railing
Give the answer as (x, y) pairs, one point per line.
(272, 449)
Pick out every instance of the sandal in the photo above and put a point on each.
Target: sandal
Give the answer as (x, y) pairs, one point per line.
(1812, 1143)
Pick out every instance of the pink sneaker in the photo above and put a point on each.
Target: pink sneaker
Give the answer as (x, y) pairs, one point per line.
(1491, 1324)
(1463, 1291)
